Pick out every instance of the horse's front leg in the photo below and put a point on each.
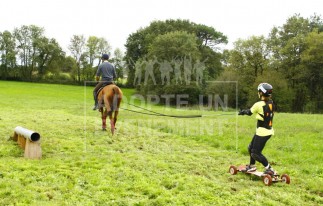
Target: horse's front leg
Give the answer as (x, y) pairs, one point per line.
(104, 119)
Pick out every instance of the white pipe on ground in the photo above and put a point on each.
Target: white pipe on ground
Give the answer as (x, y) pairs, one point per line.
(28, 134)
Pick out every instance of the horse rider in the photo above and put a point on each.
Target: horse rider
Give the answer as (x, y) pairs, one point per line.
(107, 73)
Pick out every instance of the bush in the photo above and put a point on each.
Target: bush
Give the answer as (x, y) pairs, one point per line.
(192, 92)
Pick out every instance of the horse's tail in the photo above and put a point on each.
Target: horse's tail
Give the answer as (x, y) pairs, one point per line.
(117, 97)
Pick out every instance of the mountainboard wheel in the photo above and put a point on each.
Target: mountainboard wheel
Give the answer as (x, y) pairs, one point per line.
(233, 170)
(267, 180)
(285, 178)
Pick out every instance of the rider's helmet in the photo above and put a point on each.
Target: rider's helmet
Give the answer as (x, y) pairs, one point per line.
(105, 56)
(265, 89)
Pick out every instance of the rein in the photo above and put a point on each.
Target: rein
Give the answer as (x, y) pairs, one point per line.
(159, 114)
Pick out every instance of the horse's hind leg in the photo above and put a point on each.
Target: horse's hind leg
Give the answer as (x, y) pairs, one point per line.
(104, 120)
(112, 123)
(116, 105)
(115, 117)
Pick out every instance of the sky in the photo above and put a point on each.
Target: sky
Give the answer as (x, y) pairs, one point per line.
(116, 20)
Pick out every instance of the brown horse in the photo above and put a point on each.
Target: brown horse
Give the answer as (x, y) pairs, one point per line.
(109, 99)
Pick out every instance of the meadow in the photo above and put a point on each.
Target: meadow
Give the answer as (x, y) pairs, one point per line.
(151, 160)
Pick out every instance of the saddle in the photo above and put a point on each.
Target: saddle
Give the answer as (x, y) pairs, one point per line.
(102, 86)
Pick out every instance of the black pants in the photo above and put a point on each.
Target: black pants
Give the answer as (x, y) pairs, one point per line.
(255, 148)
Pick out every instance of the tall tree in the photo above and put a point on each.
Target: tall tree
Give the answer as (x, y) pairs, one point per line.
(7, 53)
(162, 54)
(136, 49)
(312, 74)
(287, 43)
(316, 22)
(92, 46)
(94, 49)
(77, 49)
(206, 37)
(27, 38)
(249, 59)
(250, 56)
(49, 54)
(118, 62)
(103, 48)
(70, 66)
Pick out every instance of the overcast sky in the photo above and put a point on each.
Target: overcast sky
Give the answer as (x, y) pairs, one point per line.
(115, 20)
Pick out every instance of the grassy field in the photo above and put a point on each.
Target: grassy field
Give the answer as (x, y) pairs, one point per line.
(150, 160)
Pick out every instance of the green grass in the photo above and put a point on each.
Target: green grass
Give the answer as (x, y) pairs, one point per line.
(150, 160)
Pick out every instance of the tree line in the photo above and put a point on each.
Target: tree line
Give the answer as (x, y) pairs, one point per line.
(28, 55)
(290, 58)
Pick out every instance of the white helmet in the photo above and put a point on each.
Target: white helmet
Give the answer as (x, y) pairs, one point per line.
(266, 89)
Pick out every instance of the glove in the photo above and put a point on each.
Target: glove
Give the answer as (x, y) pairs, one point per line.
(245, 111)
(241, 112)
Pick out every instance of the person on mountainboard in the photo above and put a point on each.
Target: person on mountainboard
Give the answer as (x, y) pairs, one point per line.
(264, 111)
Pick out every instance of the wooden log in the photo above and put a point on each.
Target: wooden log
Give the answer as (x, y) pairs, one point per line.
(21, 141)
(29, 141)
(32, 150)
